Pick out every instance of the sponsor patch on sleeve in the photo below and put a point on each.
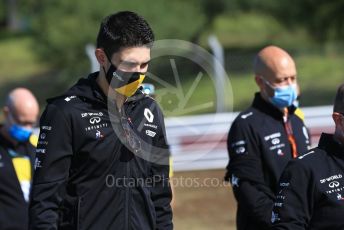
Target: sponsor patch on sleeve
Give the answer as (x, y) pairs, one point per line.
(235, 181)
(239, 147)
(274, 217)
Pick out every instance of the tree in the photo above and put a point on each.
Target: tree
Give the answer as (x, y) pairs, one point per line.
(62, 28)
(322, 19)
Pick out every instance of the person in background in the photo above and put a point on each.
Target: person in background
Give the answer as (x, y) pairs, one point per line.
(17, 149)
(148, 89)
(264, 137)
(310, 192)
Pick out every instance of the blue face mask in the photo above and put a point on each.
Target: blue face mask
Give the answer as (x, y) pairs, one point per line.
(20, 133)
(284, 96)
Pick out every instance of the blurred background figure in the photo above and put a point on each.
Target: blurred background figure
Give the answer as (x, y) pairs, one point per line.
(310, 187)
(148, 89)
(17, 149)
(264, 138)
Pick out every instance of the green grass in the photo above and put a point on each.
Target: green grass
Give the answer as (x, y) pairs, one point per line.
(18, 61)
(21, 67)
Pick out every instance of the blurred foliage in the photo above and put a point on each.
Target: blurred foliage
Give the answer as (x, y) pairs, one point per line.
(2, 12)
(210, 9)
(56, 33)
(254, 30)
(62, 28)
(324, 20)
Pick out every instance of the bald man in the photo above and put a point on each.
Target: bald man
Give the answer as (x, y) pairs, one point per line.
(264, 137)
(16, 158)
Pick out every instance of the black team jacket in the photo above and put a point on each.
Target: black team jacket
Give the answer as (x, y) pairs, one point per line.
(13, 206)
(97, 168)
(310, 194)
(259, 150)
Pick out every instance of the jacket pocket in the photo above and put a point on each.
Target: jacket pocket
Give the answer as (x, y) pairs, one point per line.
(69, 214)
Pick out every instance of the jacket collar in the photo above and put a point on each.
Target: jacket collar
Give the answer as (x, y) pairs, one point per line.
(268, 108)
(89, 88)
(330, 145)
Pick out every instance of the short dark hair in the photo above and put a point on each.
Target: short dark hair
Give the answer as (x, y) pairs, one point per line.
(339, 100)
(122, 30)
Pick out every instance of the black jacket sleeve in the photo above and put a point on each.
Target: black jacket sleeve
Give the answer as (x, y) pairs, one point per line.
(294, 199)
(245, 172)
(161, 193)
(53, 157)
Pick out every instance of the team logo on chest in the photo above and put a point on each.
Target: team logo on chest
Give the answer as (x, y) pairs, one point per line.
(95, 120)
(333, 186)
(274, 141)
(150, 118)
(148, 115)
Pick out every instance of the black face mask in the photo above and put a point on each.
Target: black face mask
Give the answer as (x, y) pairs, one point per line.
(125, 83)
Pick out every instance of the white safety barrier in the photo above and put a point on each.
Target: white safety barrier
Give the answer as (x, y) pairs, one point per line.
(200, 142)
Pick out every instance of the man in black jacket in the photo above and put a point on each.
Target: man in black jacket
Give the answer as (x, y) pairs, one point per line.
(17, 149)
(102, 158)
(263, 138)
(311, 188)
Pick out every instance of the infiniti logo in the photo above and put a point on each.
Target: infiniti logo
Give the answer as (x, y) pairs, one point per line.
(333, 184)
(275, 141)
(95, 120)
(42, 136)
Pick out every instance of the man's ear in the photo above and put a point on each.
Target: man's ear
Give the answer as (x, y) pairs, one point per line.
(101, 56)
(6, 111)
(337, 118)
(259, 82)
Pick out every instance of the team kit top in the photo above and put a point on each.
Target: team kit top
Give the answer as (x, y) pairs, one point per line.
(87, 176)
(16, 170)
(310, 194)
(259, 149)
